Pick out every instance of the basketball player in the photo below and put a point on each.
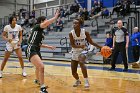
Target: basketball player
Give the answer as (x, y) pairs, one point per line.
(13, 35)
(33, 48)
(78, 39)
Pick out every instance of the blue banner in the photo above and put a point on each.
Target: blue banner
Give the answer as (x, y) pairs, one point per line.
(106, 3)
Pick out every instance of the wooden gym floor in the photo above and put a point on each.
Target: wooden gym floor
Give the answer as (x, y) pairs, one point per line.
(59, 79)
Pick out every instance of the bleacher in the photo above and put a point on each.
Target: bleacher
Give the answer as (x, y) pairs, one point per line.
(62, 50)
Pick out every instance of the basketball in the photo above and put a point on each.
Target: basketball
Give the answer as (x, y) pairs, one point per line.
(106, 51)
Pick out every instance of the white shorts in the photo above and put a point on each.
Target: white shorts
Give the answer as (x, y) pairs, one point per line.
(11, 46)
(75, 54)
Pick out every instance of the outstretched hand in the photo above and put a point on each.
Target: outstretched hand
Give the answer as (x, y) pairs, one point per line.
(57, 14)
(52, 47)
(19, 44)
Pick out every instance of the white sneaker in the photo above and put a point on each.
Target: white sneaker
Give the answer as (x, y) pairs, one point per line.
(87, 62)
(86, 85)
(24, 74)
(0, 74)
(77, 83)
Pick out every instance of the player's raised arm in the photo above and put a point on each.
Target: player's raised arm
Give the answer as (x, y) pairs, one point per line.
(50, 21)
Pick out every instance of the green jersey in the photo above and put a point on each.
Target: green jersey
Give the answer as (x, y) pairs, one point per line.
(37, 36)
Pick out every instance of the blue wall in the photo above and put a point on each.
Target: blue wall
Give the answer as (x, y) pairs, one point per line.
(109, 3)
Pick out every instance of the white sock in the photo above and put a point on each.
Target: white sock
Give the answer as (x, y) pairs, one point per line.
(78, 80)
(43, 85)
(86, 80)
(1, 71)
(23, 70)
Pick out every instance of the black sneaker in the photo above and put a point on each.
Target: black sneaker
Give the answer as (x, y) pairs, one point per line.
(36, 82)
(111, 69)
(125, 69)
(43, 90)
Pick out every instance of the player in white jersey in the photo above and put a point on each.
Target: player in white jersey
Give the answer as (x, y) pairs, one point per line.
(13, 35)
(78, 39)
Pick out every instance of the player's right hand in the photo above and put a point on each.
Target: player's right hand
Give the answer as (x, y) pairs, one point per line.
(83, 46)
(98, 53)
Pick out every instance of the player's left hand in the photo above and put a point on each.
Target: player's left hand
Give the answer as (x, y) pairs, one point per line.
(19, 44)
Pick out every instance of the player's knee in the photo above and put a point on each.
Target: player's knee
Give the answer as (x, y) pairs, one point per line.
(5, 59)
(20, 57)
(81, 64)
(37, 68)
(41, 67)
(82, 58)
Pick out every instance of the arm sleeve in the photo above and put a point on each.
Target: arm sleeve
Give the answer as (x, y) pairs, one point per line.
(126, 32)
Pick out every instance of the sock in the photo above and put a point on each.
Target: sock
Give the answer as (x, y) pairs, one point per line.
(43, 85)
(86, 80)
(23, 70)
(1, 71)
(78, 80)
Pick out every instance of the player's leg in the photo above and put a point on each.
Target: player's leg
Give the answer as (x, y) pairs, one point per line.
(74, 65)
(36, 81)
(36, 61)
(6, 56)
(82, 59)
(19, 55)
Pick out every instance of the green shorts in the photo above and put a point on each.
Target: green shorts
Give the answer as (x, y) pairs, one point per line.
(32, 50)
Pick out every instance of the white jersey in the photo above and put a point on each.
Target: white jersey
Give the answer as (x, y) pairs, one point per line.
(81, 40)
(13, 33)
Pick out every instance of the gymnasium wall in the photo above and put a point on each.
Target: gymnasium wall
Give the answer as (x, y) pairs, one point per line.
(8, 7)
(51, 3)
(49, 12)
